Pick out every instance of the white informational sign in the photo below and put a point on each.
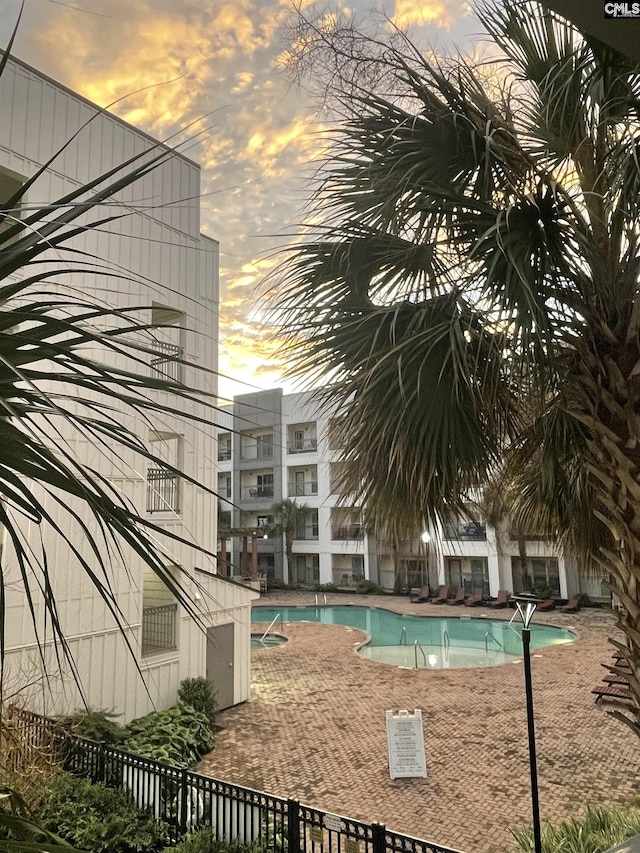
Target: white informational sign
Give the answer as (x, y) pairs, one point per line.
(405, 740)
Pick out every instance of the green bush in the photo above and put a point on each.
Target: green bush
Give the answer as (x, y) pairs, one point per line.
(98, 819)
(276, 583)
(596, 832)
(325, 587)
(178, 736)
(366, 587)
(204, 841)
(199, 694)
(93, 724)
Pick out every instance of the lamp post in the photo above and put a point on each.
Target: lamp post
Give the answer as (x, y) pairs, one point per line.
(526, 614)
(426, 538)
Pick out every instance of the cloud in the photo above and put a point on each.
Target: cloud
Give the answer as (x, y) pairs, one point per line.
(441, 13)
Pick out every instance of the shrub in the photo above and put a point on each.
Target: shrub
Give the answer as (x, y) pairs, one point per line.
(276, 583)
(596, 832)
(326, 587)
(204, 841)
(199, 694)
(99, 819)
(366, 587)
(178, 736)
(93, 724)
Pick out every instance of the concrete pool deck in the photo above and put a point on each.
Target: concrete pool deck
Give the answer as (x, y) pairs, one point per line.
(314, 729)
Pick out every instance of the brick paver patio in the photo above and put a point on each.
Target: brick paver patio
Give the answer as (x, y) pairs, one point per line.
(315, 730)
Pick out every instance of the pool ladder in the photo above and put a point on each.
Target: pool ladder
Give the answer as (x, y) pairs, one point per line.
(416, 646)
(488, 636)
(272, 623)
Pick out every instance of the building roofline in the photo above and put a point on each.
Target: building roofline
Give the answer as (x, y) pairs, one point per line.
(156, 142)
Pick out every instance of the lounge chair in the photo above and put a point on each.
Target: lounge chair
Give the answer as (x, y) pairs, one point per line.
(474, 600)
(502, 600)
(459, 597)
(571, 606)
(423, 595)
(442, 596)
(611, 691)
(547, 604)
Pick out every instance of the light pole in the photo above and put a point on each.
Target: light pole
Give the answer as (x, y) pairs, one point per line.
(526, 614)
(426, 538)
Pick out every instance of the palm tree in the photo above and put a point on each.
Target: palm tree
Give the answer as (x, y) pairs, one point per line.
(288, 515)
(471, 297)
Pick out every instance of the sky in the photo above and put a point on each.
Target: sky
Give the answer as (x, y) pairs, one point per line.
(218, 63)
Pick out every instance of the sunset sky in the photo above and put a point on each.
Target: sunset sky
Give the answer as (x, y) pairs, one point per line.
(264, 132)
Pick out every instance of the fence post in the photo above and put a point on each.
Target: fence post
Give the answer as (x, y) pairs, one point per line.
(184, 798)
(293, 826)
(378, 838)
(100, 767)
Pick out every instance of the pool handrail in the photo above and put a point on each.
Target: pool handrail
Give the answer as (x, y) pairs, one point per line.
(446, 642)
(486, 642)
(417, 646)
(271, 624)
(403, 637)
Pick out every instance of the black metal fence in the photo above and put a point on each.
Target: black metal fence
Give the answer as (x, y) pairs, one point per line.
(186, 800)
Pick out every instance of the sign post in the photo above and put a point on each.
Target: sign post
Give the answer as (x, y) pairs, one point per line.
(405, 740)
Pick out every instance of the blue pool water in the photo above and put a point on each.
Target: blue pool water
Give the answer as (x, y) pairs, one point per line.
(448, 642)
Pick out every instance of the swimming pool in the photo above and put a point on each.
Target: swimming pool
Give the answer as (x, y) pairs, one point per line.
(449, 642)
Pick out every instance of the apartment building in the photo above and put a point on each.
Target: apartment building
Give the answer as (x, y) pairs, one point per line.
(153, 256)
(274, 447)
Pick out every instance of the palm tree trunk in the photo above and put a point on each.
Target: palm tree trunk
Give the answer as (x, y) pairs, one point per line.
(611, 406)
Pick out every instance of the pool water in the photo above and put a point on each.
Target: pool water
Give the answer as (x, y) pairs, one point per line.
(449, 642)
(268, 641)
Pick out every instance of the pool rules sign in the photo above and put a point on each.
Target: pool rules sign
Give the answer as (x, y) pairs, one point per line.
(405, 741)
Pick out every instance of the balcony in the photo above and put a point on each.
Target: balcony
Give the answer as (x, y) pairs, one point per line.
(300, 489)
(348, 532)
(256, 451)
(465, 531)
(163, 490)
(304, 445)
(224, 454)
(309, 531)
(256, 492)
(166, 363)
(159, 629)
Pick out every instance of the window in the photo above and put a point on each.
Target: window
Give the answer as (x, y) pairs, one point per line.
(305, 569)
(159, 615)
(10, 183)
(542, 575)
(265, 486)
(224, 485)
(307, 528)
(264, 521)
(163, 482)
(224, 447)
(168, 342)
(264, 446)
(471, 573)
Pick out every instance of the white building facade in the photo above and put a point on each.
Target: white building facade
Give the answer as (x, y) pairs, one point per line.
(273, 447)
(157, 258)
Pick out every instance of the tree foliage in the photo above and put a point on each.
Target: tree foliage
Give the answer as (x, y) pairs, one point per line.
(468, 290)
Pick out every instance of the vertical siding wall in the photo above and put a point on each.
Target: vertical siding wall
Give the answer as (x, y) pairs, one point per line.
(159, 256)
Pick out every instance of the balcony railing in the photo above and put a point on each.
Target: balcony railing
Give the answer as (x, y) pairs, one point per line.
(166, 363)
(163, 490)
(465, 531)
(308, 488)
(304, 445)
(224, 454)
(256, 492)
(309, 531)
(159, 628)
(256, 451)
(347, 531)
